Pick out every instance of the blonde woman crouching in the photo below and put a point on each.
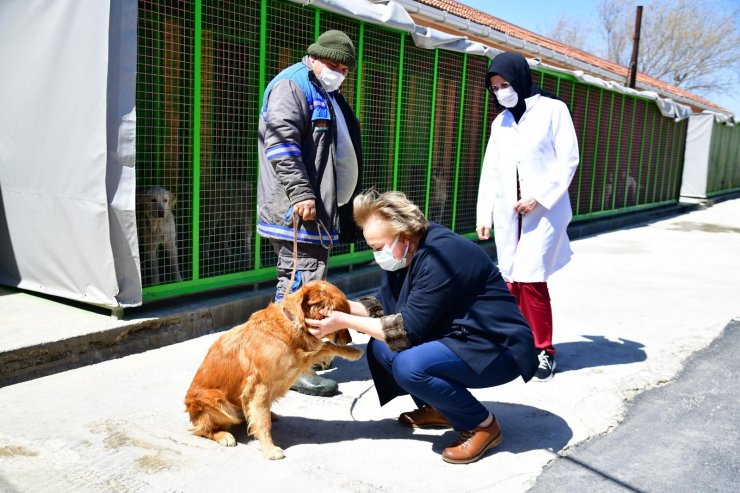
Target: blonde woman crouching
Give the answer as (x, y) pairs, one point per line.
(443, 321)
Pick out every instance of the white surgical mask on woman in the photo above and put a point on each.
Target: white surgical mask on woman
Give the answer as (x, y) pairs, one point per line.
(330, 79)
(508, 98)
(385, 259)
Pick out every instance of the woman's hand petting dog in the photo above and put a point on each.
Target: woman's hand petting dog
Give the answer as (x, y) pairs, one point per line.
(332, 322)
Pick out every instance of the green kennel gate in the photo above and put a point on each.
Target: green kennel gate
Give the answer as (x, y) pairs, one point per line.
(724, 161)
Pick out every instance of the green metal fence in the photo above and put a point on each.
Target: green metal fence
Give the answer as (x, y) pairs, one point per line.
(425, 116)
(724, 160)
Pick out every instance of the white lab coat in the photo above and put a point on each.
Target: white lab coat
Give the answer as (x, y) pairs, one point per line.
(544, 148)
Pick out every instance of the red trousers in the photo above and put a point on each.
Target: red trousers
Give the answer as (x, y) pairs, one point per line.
(533, 299)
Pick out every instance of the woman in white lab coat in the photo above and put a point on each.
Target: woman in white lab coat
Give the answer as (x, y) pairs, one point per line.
(530, 160)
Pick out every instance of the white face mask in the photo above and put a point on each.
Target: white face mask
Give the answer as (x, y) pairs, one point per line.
(330, 79)
(508, 98)
(387, 261)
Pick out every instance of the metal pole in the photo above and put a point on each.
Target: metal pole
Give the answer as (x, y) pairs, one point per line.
(635, 48)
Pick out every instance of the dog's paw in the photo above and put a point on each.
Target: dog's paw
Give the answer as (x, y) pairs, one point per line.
(273, 453)
(225, 438)
(354, 354)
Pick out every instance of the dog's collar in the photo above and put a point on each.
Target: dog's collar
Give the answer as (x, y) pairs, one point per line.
(293, 320)
(288, 314)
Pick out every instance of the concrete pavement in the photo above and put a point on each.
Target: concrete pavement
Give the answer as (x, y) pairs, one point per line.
(630, 310)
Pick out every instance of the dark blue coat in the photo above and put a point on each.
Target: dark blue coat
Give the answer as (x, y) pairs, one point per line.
(453, 292)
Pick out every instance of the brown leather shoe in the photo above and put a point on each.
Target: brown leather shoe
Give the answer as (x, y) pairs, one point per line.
(424, 417)
(471, 445)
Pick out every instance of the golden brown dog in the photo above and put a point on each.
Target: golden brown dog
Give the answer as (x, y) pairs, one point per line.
(255, 363)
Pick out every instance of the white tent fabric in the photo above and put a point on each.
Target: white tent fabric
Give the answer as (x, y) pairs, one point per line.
(667, 107)
(393, 14)
(121, 164)
(387, 14)
(429, 38)
(696, 156)
(721, 118)
(56, 231)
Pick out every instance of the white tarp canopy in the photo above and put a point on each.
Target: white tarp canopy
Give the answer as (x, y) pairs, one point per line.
(667, 107)
(696, 156)
(387, 14)
(67, 193)
(425, 37)
(393, 14)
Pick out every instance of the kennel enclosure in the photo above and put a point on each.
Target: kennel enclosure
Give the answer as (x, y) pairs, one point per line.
(167, 93)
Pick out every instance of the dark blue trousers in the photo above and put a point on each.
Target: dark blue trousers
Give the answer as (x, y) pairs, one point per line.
(432, 374)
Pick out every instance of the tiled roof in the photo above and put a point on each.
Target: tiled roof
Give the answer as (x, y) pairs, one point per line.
(484, 19)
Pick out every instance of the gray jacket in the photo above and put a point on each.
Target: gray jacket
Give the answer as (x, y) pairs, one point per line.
(297, 148)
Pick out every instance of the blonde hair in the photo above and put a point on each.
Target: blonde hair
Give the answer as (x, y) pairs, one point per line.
(401, 215)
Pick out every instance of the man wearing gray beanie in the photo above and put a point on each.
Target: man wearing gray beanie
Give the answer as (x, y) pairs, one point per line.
(310, 167)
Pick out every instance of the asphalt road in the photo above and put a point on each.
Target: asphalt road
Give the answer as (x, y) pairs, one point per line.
(682, 437)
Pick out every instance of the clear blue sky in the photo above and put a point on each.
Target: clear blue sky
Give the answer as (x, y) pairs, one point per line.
(536, 15)
(539, 16)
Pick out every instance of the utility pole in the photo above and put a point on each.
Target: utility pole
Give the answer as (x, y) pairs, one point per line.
(635, 48)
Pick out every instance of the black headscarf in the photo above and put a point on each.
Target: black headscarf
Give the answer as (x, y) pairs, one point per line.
(514, 68)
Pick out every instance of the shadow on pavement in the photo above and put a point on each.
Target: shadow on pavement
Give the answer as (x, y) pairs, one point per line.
(598, 351)
(528, 428)
(524, 428)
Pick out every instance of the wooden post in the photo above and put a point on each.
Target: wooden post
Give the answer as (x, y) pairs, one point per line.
(635, 48)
